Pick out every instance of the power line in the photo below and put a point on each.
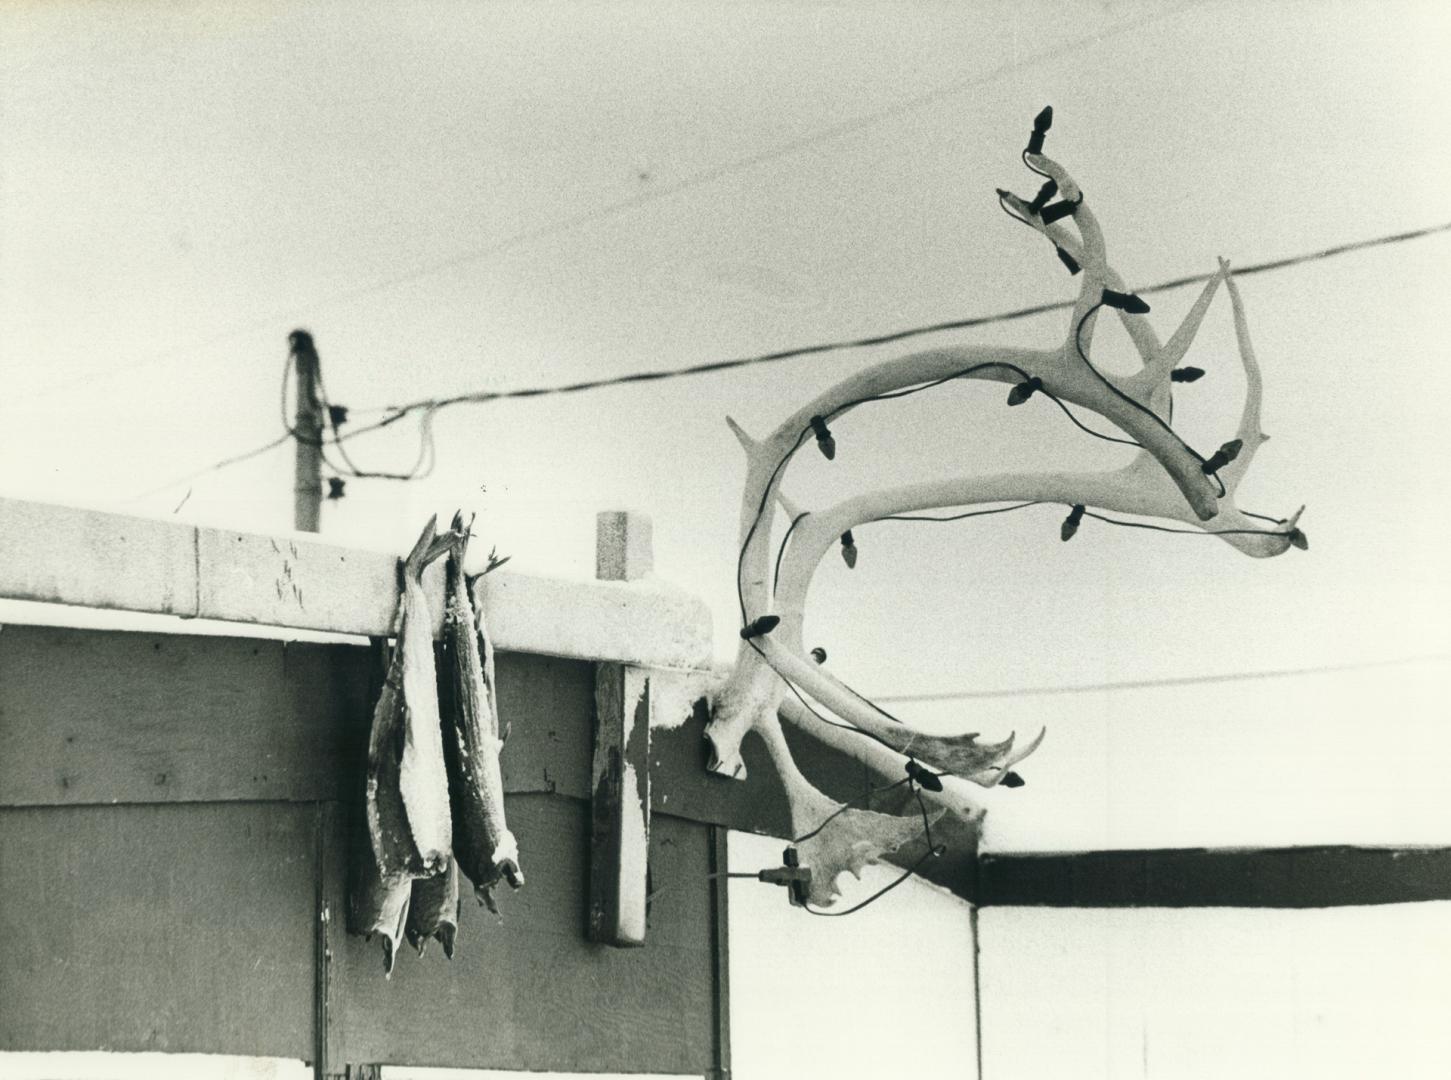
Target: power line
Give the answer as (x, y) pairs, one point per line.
(432, 405)
(236, 459)
(1145, 684)
(482, 397)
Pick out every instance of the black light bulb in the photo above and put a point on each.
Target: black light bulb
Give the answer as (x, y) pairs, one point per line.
(1059, 211)
(335, 485)
(848, 549)
(824, 441)
(1024, 390)
(1041, 123)
(926, 779)
(1070, 523)
(1124, 301)
(1046, 192)
(760, 627)
(1223, 456)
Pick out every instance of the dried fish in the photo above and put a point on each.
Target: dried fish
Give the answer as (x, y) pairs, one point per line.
(375, 905)
(378, 906)
(434, 910)
(407, 786)
(483, 845)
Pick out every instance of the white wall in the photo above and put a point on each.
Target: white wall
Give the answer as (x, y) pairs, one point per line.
(1203, 994)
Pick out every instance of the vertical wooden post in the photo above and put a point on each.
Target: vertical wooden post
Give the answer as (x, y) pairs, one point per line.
(720, 953)
(620, 802)
(976, 987)
(307, 438)
(328, 931)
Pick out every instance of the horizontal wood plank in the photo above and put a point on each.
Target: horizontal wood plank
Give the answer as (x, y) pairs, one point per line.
(1295, 877)
(170, 928)
(114, 717)
(63, 555)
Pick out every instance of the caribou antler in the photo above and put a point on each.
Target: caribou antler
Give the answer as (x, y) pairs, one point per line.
(1166, 479)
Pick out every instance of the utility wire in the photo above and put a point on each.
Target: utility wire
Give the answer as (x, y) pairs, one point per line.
(398, 412)
(216, 466)
(1184, 680)
(483, 397)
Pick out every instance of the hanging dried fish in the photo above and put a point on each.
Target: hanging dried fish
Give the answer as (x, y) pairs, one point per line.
(407, 789)
(378, 906)
(485, 848)
(375, 905)
(434, 910)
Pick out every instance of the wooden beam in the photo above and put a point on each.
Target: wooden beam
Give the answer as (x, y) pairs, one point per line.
(1295, 877)
(327, 922)
(620, 785)
(61, 555)
(620, 807)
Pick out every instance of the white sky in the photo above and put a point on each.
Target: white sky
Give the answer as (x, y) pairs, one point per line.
(456, 197)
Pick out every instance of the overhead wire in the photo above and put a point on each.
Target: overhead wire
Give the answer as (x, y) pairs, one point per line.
(1150, 684)
(483, 397)
(395, 413)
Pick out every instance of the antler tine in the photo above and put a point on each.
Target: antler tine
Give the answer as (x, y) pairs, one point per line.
(1249, 432)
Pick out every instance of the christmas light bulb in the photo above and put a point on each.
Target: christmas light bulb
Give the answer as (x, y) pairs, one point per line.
(1046, 192)
(1223, 456)
(764, 625)
(824, 442)
(1059, 211)
(1130, 302)
(1024, 390)
(1070, 523)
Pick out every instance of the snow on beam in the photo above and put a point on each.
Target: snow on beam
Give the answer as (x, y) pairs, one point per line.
(64, 555)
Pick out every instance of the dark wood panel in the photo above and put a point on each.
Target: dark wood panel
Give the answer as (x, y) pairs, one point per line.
(547, 704)
(114, 716)
(102, 717)
(1297, 877)
(173, 928)
(527, 991)
(123, 717)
